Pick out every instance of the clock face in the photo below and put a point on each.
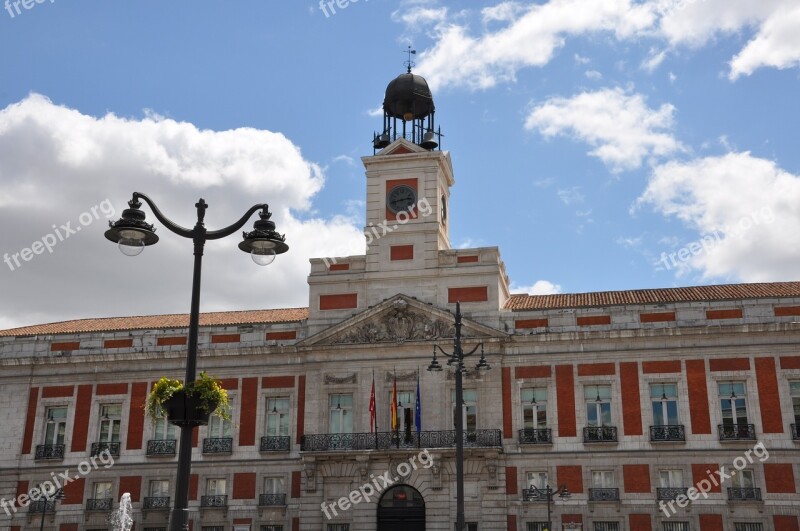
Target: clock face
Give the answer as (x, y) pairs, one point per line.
(401, 198)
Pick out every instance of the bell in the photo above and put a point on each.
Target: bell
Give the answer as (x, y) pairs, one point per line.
(381, 141)
(428, 141)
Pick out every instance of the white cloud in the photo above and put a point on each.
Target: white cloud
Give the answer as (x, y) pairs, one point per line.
(56, 163)
(350, 161)
(777, 44)
(571, 196)
(418, 16)
(502, 12)
(594, 75)
(579, 59)
(620, 127)
(540, 287)
(654, 60)
(750, 203)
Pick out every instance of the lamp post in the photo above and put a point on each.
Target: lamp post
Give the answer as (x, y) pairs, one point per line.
(132, 233)
(547, 494)
(44, 499)
(457, 358)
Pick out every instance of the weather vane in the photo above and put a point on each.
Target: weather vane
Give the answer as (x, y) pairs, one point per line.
(410, 63)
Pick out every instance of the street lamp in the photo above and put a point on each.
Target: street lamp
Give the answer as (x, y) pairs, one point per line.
(44, 500)
(457, 358)
(547, 494)
(132, 234)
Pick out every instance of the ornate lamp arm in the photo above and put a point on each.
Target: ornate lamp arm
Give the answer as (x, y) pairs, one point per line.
(174, 227)
(227, 231)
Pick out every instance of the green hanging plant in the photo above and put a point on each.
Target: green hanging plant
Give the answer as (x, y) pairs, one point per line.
(211, 396)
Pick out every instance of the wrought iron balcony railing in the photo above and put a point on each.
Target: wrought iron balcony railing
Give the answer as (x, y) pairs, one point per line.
(668, 433)
(670, 493)
(604, 494)
(50, 451)
(593, 434)
(218, 445)
(332, 442)
(217, 500)
(111, 448)
(39, 506)
(161, 447)
(796, 432)
(275, 444)
(99, 504)
(156, 502)
(272, 499)
(536, 436)
(737, 432)
(744, 494)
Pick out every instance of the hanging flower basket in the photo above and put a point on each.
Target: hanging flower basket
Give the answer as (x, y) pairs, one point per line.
(191, 405)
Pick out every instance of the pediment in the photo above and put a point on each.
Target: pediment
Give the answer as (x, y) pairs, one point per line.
(398, 320)
(400, 147)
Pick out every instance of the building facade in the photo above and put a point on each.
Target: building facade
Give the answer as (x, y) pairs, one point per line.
(633, 402)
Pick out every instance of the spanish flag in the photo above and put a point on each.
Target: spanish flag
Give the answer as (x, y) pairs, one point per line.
(394, 404)
(372, 406)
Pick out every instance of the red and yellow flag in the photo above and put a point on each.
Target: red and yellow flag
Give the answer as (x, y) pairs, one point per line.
(394, 404)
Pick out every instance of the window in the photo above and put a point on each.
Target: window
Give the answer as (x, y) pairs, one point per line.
(670, 479)
(163, 430)
(110, 420)
(56, 425)
(341, 413)
(748, 526)
(676, 526)
(606, 526)
(274, 486)
(277, 417)
(102, 490)
(468, 526)
(159, 488)
(470, 409)
(603, 479)
(598, 405)
(536, 526)
(406, 402)
(743, 480)
(215, 487)
(219, 428)
(794, 391)
(271, 528)
(338, 527)
(534, 408)
(213, 528)
(537, 479)
(732, 401)
(664, 399)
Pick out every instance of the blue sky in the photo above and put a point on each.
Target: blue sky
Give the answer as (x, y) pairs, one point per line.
(590, 140)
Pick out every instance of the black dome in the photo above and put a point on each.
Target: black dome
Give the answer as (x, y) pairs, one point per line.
(408, 97)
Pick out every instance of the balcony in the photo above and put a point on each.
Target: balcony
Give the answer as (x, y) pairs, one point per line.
(604, 495)
(670, 493)
(668, 433)
(737, 432)
(536, 436)
(216, 500)
(158, 502)
(50, 451)
(796, 432)
(333, 442)
(275, 444)
(110, 448)
(100, 504)
(40, 506)
(265, 500)
(744, 494)
(599, 434)
(218, 445)
(161, 448)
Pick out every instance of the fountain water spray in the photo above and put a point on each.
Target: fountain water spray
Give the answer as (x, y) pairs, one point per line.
(121, 519)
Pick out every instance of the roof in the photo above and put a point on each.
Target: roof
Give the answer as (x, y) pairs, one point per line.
(147, 322)
(654, 296)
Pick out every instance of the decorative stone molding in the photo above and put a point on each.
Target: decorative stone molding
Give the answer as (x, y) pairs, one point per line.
(349, 379)
(400, 323)
(403, 376)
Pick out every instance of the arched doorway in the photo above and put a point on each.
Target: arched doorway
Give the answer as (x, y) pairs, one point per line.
(401, 508)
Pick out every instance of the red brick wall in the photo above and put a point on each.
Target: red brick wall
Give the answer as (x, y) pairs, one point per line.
(659, 317)
(30, 419)
(522, 324)
(193, 485)
(769, 398)
(511, 522)
(339, 267)
(636, 478)
(73, 492)
(787, 311)
(401, 252)
(594, 320)
(729, 364)
(295, 524)
(779, 478)
(699, 473)
(711, 522)
(296, 484)
(118, 343)
(68, 527)
(247, 417)
(596, 369)
(511, 480)
(790, 362)
(58, 391)
(225, 338)
(565, 396)
(698, 396)
(66, 345)
(111, 389)
(661, 367)
(640, 522)
(468, 259)
(22, 488)
(475, 294)
(132, 485)
(785, 523)
(277, 382)
(244, 485)
(301, 406)
(724, 314)
(83, 409)
(508, 426)
(344, 301)
(136, 416)
(282, 336)
(631, 404)
(542, 371)
(170, 341)
(571, 476)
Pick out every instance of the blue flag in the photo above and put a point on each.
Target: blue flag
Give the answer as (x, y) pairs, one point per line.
(418, 412)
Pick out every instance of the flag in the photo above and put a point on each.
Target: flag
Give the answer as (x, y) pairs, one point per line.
(394, 404)
(372, 406)
(418, 411)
